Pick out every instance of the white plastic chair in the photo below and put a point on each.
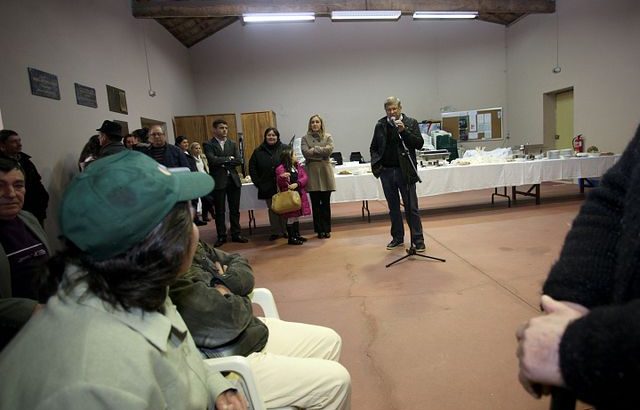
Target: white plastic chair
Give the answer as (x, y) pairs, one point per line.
(239, 365)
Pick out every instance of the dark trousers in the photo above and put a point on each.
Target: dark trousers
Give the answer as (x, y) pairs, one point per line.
(230, 194)
(277, 223)
(207, 205)
(321, 207)
(394, 186)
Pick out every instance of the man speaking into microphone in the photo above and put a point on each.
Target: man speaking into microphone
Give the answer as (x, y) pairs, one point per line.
(398, 176)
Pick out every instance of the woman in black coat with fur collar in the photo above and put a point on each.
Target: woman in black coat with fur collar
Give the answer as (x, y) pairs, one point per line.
(262, 169)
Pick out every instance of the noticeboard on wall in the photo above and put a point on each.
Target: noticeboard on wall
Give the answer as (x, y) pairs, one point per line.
(474, 125)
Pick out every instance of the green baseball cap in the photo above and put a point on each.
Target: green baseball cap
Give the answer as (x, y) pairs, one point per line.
(120, 199)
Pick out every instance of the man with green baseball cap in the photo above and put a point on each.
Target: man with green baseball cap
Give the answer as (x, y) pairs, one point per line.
(110, 335)
(115, 204)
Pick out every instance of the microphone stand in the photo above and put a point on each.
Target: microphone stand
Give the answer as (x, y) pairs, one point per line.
(407, 208)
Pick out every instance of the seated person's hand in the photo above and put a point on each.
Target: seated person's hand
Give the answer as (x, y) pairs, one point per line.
(221, 268)
(285, 175)
(231, 400)
(293, 186)
(539, 342)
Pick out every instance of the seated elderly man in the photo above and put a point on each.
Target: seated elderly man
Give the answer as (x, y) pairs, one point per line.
(295, 364)
(23, 252)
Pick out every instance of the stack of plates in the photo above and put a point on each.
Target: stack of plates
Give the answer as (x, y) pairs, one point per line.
(566, 153)
(553, 154)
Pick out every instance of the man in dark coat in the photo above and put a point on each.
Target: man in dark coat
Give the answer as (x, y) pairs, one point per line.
(24, 250)
(37, 198)
(223, 155)
(166, 154)
(589, 338)
(398, 177)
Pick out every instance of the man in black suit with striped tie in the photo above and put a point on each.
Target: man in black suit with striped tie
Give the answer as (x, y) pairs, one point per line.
(223, 155)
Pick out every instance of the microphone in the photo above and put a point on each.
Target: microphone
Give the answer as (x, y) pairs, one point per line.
(392, 120)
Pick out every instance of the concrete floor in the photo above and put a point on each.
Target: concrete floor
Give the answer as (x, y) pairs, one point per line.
(423, 334)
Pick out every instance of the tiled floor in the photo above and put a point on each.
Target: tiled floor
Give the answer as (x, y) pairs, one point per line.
(423, 334)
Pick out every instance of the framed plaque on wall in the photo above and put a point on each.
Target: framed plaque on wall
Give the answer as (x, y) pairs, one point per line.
(117, 100)
(86, 96)
(44, 84)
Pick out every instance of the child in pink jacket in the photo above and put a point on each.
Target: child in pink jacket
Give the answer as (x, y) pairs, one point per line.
(291, 175)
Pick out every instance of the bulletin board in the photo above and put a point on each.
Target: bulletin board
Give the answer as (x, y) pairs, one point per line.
(474, 125)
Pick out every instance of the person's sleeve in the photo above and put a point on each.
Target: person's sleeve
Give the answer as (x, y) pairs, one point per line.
(412, 136)
(213, 319)
(212, 158)
(325, 150)
(281, 180)
(15, 312)
(253, 167)
(374, 153)
(218, 385)
(238, 277)
(302, 177)
(304, 147)
(96, 397)
(237, 158)
(584, 272)
(599, 356)
(182, 159)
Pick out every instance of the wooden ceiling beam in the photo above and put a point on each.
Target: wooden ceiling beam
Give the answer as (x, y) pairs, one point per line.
(226, 8)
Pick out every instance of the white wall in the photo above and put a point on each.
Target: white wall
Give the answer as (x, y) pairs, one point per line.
(600, 58)
(344, 71)
(94, 43)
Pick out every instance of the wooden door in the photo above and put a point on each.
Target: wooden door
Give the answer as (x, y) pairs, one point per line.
(191, 126)
(564, 120)
(253, 126)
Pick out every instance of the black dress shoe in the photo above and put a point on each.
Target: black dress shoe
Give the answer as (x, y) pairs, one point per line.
(220, 242)
(320, 235)
(294, 241)
(273, 237)
(327, 235)
(239, 239)
(199, 222)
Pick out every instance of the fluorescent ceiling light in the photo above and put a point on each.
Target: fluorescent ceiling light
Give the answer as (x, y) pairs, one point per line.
(366, 15)
(445, 14)
(275, 17)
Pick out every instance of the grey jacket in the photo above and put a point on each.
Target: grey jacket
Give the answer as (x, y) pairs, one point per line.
(98, 356)
(16, 311)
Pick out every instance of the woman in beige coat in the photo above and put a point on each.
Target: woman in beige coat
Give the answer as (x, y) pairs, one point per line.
(317, 147)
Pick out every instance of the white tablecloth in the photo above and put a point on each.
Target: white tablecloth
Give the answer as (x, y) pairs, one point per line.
(459, 178)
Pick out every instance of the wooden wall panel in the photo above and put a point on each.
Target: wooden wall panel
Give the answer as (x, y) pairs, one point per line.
(253, 126)
(191, 126)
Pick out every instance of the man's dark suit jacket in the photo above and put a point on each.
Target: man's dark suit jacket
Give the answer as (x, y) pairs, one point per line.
(220, 164)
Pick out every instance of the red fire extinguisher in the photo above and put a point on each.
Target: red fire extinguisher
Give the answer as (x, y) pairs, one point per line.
(578, 143)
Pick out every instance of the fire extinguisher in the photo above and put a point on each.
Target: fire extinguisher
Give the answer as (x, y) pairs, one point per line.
(578, 143)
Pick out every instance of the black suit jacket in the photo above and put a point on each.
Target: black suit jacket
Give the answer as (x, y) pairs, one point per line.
(220, 163)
